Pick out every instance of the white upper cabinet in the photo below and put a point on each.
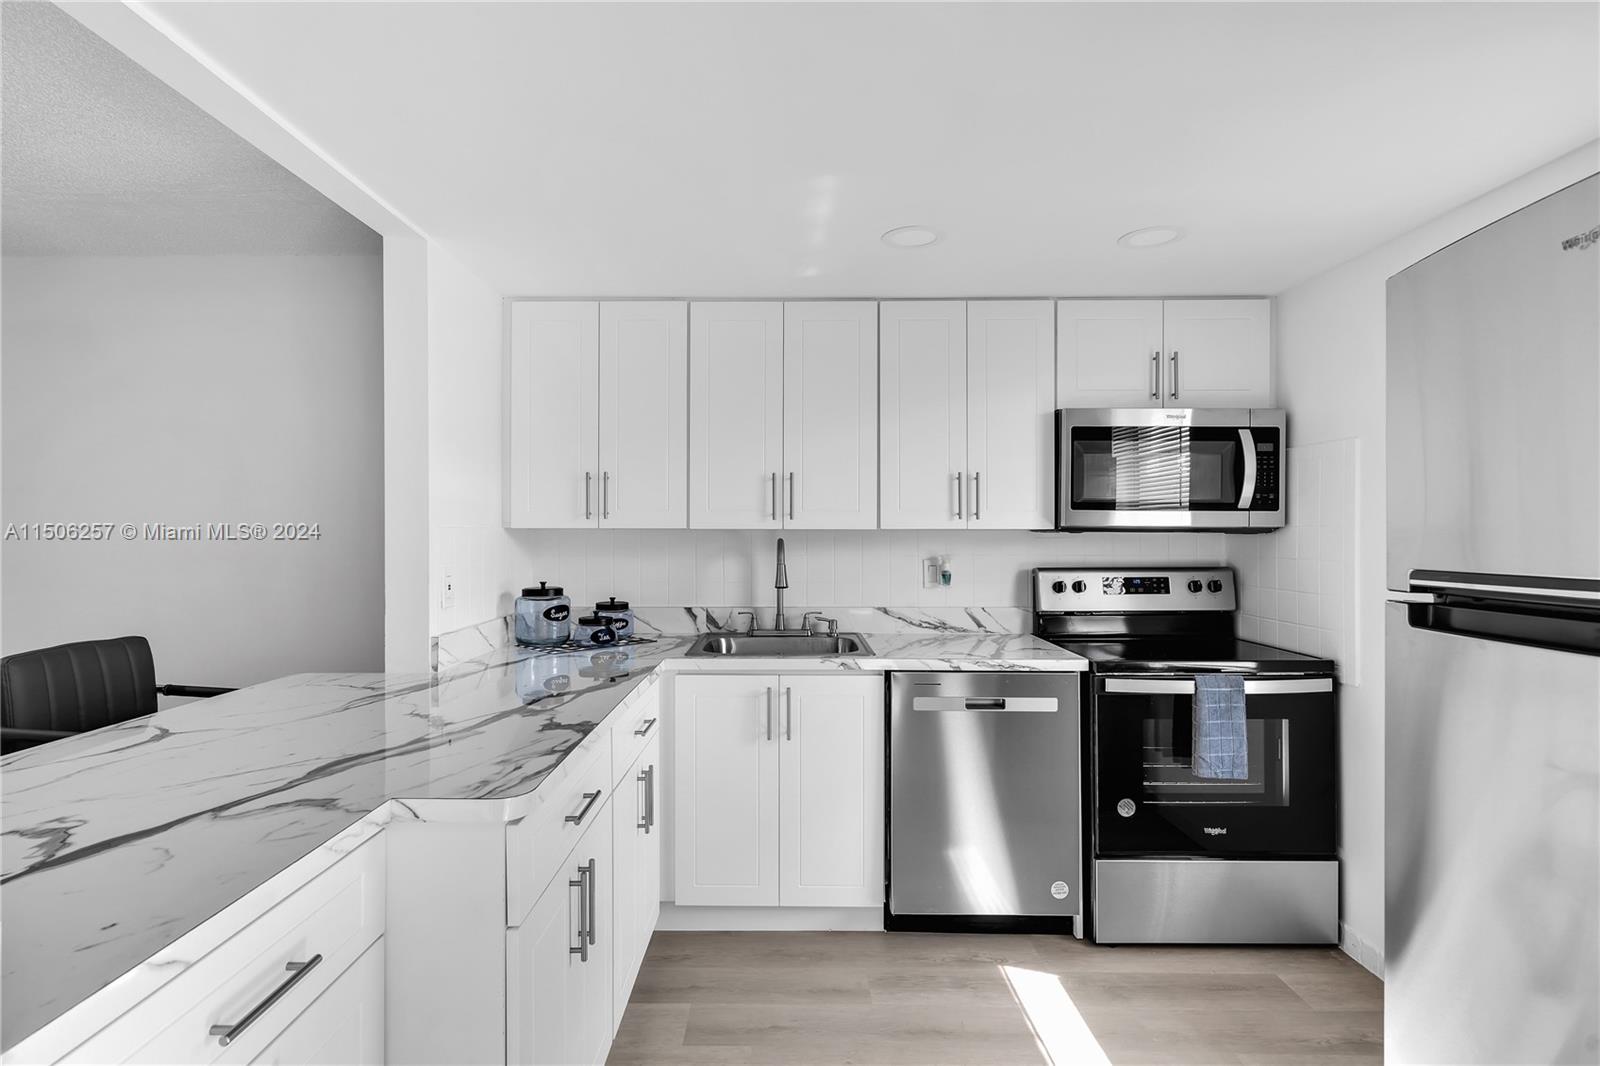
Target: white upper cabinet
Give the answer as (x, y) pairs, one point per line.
(830, 415)
(1011, 389)
(644, 414)
(968, 439)
(552, 412)
(1108, 353)
(923, 435)
(1164, 353)
(735, 415)
(1219, 353)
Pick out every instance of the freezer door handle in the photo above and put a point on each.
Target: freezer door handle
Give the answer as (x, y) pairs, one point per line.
(1171, 686)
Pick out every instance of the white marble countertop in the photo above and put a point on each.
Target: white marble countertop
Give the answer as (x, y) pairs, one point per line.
(119, 842)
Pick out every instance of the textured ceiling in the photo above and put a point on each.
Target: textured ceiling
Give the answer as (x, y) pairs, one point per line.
(98, 157)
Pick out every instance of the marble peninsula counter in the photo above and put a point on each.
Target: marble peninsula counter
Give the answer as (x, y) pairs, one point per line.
(121, 845)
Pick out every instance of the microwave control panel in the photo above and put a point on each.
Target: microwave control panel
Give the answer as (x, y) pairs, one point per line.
(1267, 495)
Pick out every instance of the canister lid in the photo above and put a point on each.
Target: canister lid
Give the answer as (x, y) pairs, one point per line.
(595, 621)
(543, 592)
(612, 604)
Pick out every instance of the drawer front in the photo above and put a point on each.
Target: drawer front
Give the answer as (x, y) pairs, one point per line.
(539, 843)
(637, 726)
(319, 931)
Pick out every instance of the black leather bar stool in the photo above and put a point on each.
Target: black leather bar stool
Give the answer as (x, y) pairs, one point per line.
(71, 688)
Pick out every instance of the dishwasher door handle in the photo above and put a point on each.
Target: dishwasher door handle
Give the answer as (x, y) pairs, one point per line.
(985, 703)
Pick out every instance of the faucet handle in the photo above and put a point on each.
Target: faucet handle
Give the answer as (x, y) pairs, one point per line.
(752, 615)
(805, 620)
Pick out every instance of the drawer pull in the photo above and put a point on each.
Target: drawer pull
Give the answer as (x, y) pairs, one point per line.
(593, 798)
(297, 970)
(649, 723)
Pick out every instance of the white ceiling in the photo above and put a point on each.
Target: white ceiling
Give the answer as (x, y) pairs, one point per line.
(760, 149)
(98, 157)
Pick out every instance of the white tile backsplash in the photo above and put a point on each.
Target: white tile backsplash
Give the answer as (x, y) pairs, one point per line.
(1297, 587)
(828, 569)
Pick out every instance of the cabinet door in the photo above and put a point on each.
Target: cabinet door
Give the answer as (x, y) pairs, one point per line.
(725, 790)
(343, 1027)
(735, 415)
(923, 437)
(552, 411)
(1011, 390)
(830, 415)
(644, 414)
(1108, 353)
(636, 838)
(558, 1004)
(832, 774)
(1219, 353)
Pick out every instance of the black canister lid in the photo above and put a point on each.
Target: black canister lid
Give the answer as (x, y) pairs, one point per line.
(612, 604)
(543, 592)
(595, 621)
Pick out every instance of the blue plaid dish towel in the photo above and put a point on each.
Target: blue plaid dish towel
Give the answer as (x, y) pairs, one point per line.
(1221, 750)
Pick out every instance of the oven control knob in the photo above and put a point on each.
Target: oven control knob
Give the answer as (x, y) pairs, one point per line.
(1080, 586)
(1195, 586)
(1059, 587)
(1214, 585)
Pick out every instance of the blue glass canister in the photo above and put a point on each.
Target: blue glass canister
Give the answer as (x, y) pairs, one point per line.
(543, 615)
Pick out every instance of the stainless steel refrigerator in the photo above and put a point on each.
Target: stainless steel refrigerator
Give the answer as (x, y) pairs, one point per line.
(1492, 759)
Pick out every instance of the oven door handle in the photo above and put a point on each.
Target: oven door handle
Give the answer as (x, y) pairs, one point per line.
(1247, 448)
(1129, 686)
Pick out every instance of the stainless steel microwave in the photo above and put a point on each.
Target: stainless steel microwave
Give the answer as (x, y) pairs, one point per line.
(1165, 468)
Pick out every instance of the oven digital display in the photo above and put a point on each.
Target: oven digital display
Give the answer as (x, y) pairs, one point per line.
(1136, 586)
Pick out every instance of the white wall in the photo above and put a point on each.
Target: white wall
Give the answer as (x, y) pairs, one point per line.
(872, 568)
(1331, 368)
(467, 542)
(183, 389)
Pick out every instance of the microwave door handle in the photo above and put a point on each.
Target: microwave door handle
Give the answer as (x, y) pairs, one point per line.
(1247, 449)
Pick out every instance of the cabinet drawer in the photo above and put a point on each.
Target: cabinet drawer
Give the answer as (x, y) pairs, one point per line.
(636, 727)
(538, 843)
(328, 924)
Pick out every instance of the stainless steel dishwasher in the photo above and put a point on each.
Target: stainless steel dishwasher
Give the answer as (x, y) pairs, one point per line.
(985, 801)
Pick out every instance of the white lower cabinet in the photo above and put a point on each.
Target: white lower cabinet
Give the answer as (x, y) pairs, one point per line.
(778, 790)
(343, 1027)
(636, 845)
(558, 961)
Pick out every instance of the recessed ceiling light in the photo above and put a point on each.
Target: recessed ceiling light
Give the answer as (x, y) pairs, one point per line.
(910, 237)
(1151, 237)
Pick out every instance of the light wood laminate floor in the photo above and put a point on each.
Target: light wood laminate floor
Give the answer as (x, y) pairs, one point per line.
(942, 998)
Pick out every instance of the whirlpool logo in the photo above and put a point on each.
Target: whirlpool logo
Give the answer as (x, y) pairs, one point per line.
(1216, 830)
(1582, 242)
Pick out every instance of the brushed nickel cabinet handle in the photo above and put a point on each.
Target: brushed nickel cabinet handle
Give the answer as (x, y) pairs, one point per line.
(1174, 374)
(769, 714)
(593, 798)
(585, 912)
(298, 971)
(774, 495)
(605, 494)
(791, 497)
(594, 911)
(977, 485)
(644, 730)
(788, 713)
(1155, 375)
(588, 495)
(647, 778)
(961, 483)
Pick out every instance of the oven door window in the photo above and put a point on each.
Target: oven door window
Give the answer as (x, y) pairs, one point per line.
(1148, 800)
(1165, 468)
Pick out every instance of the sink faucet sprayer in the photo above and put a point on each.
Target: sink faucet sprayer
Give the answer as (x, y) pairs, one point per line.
(779, 583)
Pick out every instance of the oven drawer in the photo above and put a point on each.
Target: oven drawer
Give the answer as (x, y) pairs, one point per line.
(1216, 901)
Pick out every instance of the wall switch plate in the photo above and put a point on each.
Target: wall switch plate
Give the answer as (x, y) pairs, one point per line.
(447, 592)
(936, 572)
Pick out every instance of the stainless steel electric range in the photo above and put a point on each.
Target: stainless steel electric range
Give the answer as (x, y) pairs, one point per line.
(1175, 857)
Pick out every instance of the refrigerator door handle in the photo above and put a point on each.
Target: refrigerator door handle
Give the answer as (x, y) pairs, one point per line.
(1578, 591)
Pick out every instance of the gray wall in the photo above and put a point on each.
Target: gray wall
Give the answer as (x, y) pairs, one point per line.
(196, 388)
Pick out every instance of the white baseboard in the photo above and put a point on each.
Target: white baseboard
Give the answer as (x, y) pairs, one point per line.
(721, 919)
(1360, 949)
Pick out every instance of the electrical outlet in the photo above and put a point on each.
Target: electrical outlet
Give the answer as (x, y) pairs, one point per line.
(447, 593)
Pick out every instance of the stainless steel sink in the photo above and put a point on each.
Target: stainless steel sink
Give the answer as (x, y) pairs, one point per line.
(780, 645)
